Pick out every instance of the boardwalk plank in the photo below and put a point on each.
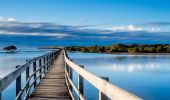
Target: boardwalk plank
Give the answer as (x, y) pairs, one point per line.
(53, 85)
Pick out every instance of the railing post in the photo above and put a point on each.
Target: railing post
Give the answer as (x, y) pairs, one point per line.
(0, 96)
(40, 68)
(80, 83)
(51, 60)
(44, 65)
(47, 62)
(70, 72)
(18, 85)
(27, 77)
(34, 69)
(53, 57)
(102, 96)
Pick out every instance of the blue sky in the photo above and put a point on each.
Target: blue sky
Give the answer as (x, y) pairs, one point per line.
(140, 20)
(109, 12)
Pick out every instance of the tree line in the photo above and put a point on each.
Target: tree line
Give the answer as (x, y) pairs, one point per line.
(122, 48)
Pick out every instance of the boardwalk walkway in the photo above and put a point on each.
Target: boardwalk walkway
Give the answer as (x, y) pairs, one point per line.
(54, 74)
(53, 84)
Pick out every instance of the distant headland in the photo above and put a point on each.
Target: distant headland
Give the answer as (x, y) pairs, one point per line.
(122, 48)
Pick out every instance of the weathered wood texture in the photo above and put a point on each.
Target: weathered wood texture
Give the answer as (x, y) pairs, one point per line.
(7, 80)
(53, 84)
(111, 91)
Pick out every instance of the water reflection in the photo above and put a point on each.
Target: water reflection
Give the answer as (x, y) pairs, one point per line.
(8, 64)
(147, 76)
(8, 61)
(134, 67)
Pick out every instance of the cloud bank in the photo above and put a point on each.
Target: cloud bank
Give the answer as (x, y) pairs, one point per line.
(10, 19)
(133, 28)
(11, 30)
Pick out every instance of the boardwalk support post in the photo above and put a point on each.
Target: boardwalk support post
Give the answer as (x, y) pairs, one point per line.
(47, 62)
(71, 72)
(27, 76)
(0, 96)
(16, 75)
(18, 84)
(34, 69)
(40, 69)
(102, 96)
(44, 65)
(80, 83)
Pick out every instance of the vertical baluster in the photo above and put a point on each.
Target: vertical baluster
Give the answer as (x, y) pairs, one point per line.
(27, 77)
(102, 96)
(35, 75)
(47, 62)
(50, 60)
(53, 57)
(18, 84)
(0, 95)
(70, 72)
(44, 65)
(40, 68)
(80, 83)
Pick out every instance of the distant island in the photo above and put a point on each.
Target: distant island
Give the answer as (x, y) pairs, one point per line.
(122, 48)
(10, 48)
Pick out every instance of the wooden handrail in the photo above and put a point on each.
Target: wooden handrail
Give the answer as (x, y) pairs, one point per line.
(74, 87)
(7, 80)
(28, 80)
(106, 88)
(39, 76)
(111, 91)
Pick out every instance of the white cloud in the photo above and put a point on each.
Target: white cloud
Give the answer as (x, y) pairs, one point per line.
(133, 28)
(10, 19)
(61, 35)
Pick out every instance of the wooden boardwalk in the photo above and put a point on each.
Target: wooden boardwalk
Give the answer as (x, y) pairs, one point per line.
(54, 74)
(53, 84)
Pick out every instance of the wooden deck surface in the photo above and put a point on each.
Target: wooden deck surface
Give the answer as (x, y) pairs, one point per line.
(53, 84)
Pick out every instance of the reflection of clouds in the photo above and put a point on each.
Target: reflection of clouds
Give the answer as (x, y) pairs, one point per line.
(8, 64)
(154, 64)
(4, 72)
(135, 67)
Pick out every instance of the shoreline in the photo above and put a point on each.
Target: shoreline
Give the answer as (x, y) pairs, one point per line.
(121, 53)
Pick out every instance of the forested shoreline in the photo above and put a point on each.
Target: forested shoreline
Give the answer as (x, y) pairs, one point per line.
(122, 48)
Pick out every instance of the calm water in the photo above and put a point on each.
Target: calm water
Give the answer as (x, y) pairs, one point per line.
(146, 76)
(8, 61)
